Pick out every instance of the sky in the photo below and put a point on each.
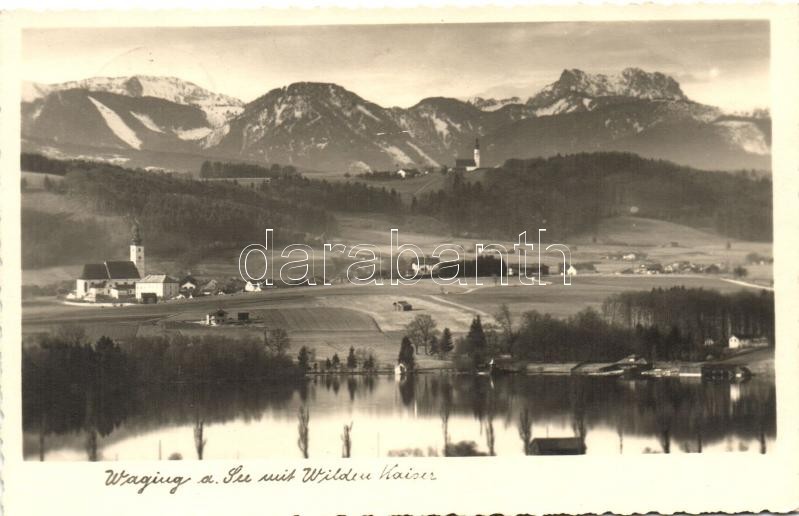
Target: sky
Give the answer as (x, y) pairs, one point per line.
(721, 63)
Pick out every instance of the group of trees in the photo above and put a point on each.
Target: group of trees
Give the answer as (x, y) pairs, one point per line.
(355, 358)
(572, 194)
(422, 333)
(30, 162)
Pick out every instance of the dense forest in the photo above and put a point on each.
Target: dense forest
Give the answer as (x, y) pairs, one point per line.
(697, 314)
(571, 194)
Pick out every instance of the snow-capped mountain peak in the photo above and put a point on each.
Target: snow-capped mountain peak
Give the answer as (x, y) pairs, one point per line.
(491, 104)
(630, 82)
(218, 108)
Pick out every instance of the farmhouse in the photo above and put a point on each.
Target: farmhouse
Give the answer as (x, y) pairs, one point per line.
(216, 318)
(188, 285)
(163, 286)
(253, 286)
(402, 306)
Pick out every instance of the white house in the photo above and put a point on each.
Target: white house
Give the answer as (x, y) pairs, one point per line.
(163, 286)
(253, 286)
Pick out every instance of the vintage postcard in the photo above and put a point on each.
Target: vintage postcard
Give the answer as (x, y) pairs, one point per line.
(485, 260)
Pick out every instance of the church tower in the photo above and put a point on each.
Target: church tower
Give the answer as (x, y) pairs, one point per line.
(137, 250)
(477, 153)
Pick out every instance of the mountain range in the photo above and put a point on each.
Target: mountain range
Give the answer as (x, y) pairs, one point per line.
(326, 127)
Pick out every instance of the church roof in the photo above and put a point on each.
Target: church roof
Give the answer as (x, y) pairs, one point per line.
(466, 162)
(122, 270)
(94, 271)
(109, 270)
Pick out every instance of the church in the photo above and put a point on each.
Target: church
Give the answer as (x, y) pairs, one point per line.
(469, 164)
(113, 279)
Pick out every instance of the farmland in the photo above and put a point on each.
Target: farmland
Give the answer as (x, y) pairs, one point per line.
(333, 318)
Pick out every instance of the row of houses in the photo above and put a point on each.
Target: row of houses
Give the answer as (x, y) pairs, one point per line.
(676, 268)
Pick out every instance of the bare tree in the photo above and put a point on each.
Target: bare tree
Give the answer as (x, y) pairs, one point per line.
(346, 441)
(302, 429)
(421, 330)
(277, 341)
(199, 440)
(505, 321)
(526, 430)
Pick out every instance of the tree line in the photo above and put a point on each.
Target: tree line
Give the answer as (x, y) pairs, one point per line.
(695, 314)
(219, 169)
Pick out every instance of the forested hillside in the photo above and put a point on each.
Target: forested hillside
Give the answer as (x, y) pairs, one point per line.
(188, 218)
(571, 194)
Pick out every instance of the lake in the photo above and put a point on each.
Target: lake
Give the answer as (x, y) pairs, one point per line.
(480, 415)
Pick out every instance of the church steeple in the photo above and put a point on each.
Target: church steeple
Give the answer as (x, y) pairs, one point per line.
(137, 250)
(136, 235)
(477, 152)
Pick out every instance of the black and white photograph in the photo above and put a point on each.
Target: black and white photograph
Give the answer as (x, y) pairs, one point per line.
(421, 240)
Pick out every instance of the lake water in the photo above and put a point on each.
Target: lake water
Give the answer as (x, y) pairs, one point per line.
(391, 417)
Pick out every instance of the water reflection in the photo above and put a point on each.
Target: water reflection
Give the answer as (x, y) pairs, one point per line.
(432, 414)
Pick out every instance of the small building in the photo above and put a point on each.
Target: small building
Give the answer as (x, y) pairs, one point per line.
(709, 342)
(558, 446)
(216, 318)
(629, 257)
(402, 306)
(122, 290)
(654, 268)
(188, 285)
(571, 271)
(162, 285)
(253, 286)
(210, 288)
(400, 370)
(407, 173)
